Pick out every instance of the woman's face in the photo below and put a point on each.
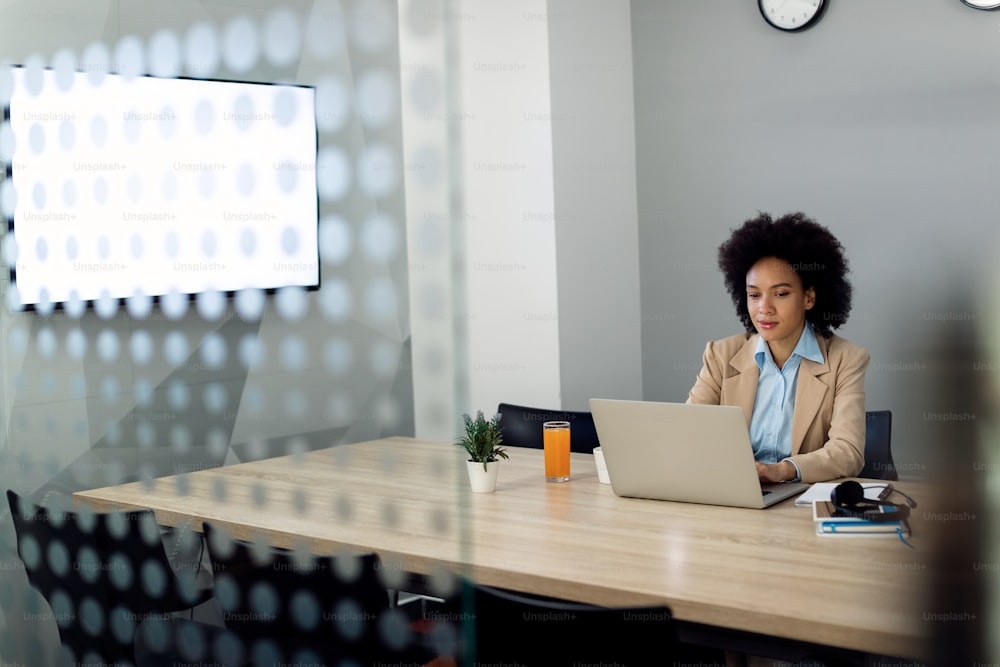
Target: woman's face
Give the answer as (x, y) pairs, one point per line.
(777, 303)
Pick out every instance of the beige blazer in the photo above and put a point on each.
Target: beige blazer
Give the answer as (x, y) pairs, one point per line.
(828, 427)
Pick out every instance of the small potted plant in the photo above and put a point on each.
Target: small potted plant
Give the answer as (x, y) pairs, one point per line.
(482, 441)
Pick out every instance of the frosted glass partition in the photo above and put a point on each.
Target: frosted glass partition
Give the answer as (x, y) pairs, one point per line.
(159, 383)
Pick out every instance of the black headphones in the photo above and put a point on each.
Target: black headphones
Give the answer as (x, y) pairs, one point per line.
(849, 500)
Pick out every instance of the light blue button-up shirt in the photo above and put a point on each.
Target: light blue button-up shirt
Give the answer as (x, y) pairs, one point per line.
(774, 405)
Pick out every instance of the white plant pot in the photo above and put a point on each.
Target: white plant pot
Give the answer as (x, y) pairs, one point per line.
(483, 481)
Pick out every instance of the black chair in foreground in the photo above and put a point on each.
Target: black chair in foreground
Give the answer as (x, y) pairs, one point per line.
(522, 426)
(101, 574)
(503, 627)
(281, 607)
(878, 446)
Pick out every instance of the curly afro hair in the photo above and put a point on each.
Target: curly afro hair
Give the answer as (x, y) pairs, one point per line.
(815, 254)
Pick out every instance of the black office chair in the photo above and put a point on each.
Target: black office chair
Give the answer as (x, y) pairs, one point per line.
(279, 608)
(522, 426)
(101, 574)
(878, 449)
(503, 627)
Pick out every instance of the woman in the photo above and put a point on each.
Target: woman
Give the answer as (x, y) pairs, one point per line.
(801, 387)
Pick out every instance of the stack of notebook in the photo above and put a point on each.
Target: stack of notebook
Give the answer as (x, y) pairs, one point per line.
(831, 522)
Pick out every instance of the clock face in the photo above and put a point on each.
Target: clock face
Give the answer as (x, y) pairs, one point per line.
(790, 14)
(982, 4)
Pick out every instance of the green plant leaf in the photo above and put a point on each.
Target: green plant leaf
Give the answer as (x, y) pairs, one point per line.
(482, 438)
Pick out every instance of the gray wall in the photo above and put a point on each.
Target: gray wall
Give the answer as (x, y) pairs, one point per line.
(879, 122)
(593, 155)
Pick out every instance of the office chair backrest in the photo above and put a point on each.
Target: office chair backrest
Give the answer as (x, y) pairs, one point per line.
(511, 628)
(878, 446)
(62, 559)
(140, 574)
(102, 574)
(285, 606)
(522, 426)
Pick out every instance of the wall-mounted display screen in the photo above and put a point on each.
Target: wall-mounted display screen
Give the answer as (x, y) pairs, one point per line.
(146, 186)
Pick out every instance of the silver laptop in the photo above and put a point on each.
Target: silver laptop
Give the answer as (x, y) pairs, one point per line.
(688, 453)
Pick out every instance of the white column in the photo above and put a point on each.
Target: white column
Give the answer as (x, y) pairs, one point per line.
(507, 187)
(436, 297)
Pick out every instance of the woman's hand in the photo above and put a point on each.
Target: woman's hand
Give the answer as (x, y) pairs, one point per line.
(775, 472)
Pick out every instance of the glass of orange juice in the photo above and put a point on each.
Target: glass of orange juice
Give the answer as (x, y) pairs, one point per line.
(556, 442)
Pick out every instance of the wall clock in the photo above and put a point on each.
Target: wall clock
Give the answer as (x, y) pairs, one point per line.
(791, 15)
(982, 4)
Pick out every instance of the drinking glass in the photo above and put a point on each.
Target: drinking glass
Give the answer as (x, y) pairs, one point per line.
(556, 442)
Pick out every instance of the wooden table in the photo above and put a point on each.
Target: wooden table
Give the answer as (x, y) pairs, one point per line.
(762, 571)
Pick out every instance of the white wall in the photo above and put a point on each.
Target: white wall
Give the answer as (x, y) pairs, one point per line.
(542, 307)
(483, 275)
(436, 297)
(505, 173)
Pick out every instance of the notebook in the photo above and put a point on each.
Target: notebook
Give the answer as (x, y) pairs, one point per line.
(830, 522)
(686, 453)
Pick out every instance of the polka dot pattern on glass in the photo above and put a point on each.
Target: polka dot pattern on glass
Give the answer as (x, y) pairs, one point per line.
(184, 382)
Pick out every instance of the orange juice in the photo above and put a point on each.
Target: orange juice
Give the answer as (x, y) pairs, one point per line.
(556, 442)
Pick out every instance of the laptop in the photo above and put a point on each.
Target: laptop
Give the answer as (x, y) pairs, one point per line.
(686, 453)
